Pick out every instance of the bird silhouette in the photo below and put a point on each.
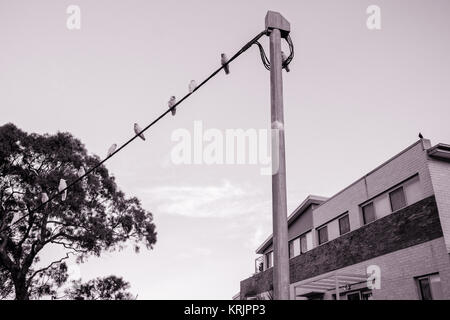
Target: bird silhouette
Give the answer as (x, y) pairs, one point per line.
(44, 197)
(111, 150)
(61, 187)
(171, 103)
(137, 130)
(284, 58)
(420, 135)
(81, 172)
(192, 86)
(224, 61)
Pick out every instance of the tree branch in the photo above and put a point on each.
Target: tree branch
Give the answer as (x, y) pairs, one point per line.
(49, 266)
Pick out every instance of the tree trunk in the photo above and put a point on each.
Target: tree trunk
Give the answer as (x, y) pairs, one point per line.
(21, 289)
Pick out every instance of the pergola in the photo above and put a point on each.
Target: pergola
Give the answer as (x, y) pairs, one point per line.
(328, 282)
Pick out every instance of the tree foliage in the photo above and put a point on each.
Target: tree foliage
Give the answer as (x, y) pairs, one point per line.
(95, 217)
(108, 288)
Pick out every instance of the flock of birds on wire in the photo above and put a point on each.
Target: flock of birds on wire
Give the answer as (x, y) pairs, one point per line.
(138, 130)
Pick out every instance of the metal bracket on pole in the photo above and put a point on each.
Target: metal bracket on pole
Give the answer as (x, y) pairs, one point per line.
(275, 20)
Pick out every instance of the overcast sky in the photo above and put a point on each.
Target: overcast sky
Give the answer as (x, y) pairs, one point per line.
(354, 98)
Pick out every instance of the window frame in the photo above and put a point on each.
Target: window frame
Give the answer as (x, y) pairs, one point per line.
(303, 236)
(421, 289)
(371, 203)
(325, 227)
(345, 216)
(366, 295)
(404, 198)
(292, 242)
(430, 287)
(386, 193)
(354, 293)
(269, 257)
(291, 245)
(300, 239)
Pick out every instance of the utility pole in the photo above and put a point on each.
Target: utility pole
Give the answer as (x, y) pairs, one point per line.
(279, 28)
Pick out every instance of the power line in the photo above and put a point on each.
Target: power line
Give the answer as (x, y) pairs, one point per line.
(266, 61)
(241, 51)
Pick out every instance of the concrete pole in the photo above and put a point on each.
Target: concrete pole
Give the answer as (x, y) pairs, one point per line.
(278, 28)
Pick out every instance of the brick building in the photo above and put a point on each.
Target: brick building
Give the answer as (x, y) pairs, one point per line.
(386, 236)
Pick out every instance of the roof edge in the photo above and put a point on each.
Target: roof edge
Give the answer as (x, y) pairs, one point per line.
(440, 151)
(425, 143)
(311, 199)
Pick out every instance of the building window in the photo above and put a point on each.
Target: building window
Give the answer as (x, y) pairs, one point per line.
(368, 213)
(430, 287)
(303, 244)
(309, 241)
(269, 260)
(344, 225)
(367, 295)
(354, 296)
(259, 264)
(323, 234)
(294, 248)
(291, 249)
(398, 199)
(425, 289)
(300, 245)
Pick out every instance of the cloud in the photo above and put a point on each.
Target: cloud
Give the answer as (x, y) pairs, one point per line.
(260, 234)
(246, 207)
(222, 201)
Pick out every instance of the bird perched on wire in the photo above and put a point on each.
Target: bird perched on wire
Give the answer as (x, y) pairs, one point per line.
(44, 197)
(284, 58)
(192, 86)
(420, 135)
(81, 172)
(111, 149)
(171, 103)
(61, 187)
(137, 130)
(224, 61)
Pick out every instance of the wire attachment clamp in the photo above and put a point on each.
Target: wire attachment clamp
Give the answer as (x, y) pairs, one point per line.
(275, 20)
(266, 61)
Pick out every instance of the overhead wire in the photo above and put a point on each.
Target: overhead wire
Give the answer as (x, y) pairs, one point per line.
(80, 178)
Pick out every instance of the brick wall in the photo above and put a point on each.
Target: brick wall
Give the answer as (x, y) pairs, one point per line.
(413, 225)
(440, 174)
(400, 268)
